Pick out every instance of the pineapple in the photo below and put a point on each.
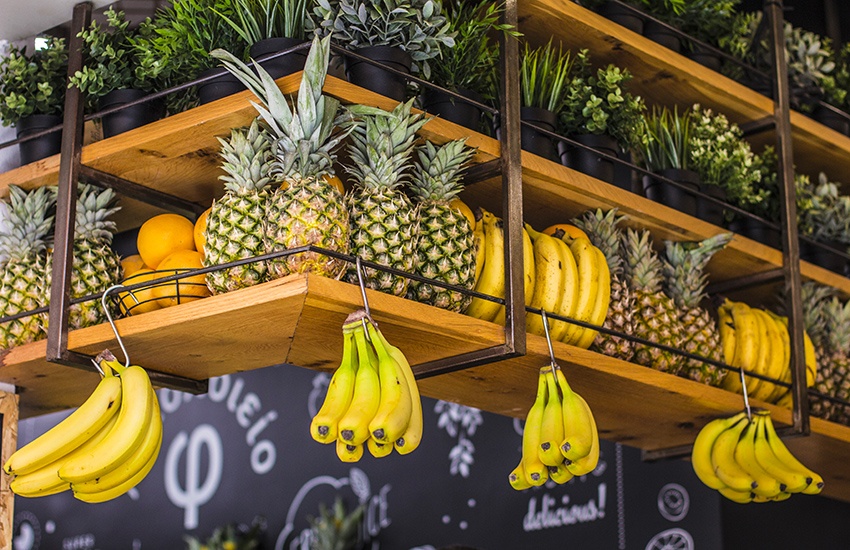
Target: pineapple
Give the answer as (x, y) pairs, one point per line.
(383, 220)
(445, 245)
(685, 282)
(336, 529)
(234, 229)
(306, 210)
(814, 297)
(655, 316)
(602, 229)
(25, 286)
(95, 265)
(834, 361)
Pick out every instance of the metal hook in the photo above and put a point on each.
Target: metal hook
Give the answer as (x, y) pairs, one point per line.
(746, 398)
(553, 363)
(112, 323)
(359, 267)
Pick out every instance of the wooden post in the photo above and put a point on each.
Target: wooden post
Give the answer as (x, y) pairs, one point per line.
(8, 444)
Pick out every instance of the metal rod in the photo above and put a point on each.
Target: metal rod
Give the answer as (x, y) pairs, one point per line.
(66, 200)
(482, 172)
(757, 126)
(464, 361)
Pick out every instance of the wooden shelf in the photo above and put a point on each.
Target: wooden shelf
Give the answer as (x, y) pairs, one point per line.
(662, 76)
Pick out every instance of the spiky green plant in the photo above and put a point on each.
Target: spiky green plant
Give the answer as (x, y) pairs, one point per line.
(543, 74)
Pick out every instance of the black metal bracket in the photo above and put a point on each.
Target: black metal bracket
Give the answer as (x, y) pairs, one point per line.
(754, 127)
(746, 281)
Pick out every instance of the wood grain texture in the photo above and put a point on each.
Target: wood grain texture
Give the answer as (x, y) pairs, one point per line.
(9, 410)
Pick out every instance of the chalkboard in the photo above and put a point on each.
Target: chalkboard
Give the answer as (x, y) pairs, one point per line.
(243, 450)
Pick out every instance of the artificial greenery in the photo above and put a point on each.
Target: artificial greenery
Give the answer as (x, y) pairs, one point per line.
(471, 63)
(418, 27)
(33, 84)
(719, 153)
(597, 103)
(231, 537)
(257, 20)
(119, 57)
(708, 20)
(544, 74)
(837, 84)
(824, 213)
(336, 529)
(665, 139)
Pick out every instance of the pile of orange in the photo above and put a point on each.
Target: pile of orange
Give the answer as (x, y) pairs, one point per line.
(168, 244)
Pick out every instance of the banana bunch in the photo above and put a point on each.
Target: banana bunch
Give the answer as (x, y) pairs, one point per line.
(373, 399)
(102, 449)
(757, 340)
(560, 439)
(746, 461)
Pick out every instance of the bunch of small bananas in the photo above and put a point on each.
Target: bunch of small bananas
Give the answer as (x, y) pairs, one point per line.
(372, 400)
(560, 439)
(757, 340)
(563, 274)
(746, 461)
(102, 449)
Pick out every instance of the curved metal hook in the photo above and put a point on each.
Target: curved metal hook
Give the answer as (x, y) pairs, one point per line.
(112, 322)
(552, 361)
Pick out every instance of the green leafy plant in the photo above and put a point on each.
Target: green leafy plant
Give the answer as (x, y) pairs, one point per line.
(665, 139)
(230, 537)
(824, 213)
(33, 84)
(708, 20)
(336, 529)
(260, 19)
(418, 27)
(597, 103)
(544, 73)
(119, 57)
(471, 63)
(837, 84)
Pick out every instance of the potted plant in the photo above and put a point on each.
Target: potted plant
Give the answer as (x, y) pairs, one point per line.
(600, 113)
(469, 67)
(835, 87)
(271, 26)
(403, 34)
(824, 216)
(543, 77)
(186, 32)
(707, 21)
(664, 148)
(120, 67)
(32, 96)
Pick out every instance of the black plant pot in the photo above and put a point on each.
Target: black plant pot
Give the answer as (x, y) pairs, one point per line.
(532, 140)
(825, 257)
(832, 119)
(710, 211)
(223, 85)
(622, 16)
(40, 147)
(452, 109)
(586, 161)
(705, 57)
(282, 65)
(757, 231)
(381, 81)
(130, 117)
(670, 195)
(660, 34)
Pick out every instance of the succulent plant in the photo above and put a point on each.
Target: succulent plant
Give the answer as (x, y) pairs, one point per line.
(824, 213)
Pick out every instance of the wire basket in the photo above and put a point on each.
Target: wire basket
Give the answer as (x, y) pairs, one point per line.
(159, 294)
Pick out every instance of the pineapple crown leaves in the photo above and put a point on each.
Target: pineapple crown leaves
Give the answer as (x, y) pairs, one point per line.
(30, 222)
(836, 315)
(684, 268)
(303, 142)
(381, 144)
(642, 265)
(813, 296)
(336, 528)
(247, 156)
(601, 228)
(437, 175)
(94, 206)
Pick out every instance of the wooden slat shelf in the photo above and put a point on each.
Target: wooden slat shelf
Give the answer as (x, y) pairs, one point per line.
(664, 77)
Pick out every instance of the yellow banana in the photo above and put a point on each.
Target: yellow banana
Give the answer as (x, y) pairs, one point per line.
(70, 433)
(701, 452)
(148, 450)
(552, 424)
(529, 271)
(579, 424)
(517, 478)
(548, 284)
(535, 471)
(794, 480)
(134, 418)
(393, 414)
(603, 299)
(728, 341)
(587, 463)
(763, 389)
(741, 497)
(478, 238)
(588, 285)
(723, 459)
(323, 427)
(781, 324)
(492, 280)
(347, 452)
(560, 474)
(774, 355)
(811, 360)
(353, 427)
(767, 485)
(115, 492)
(378, 450)
(784, 456)
(746, 348)
(569, 299)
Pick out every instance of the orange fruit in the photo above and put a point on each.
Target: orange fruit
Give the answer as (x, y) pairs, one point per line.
(570, 230)
(200, 228)
(181, 290)
(162, 235)
(146, 299)
(458, 204)
(132, 264)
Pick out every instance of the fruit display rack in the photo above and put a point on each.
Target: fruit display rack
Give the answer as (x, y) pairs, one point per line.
(287, 320)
